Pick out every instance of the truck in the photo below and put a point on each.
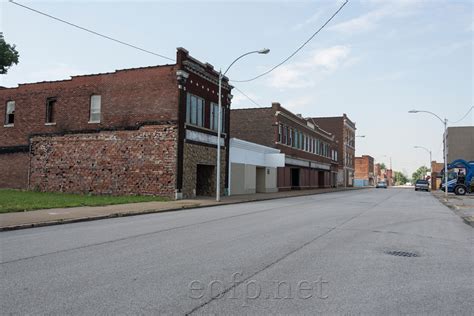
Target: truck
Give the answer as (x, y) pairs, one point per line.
(460, 177)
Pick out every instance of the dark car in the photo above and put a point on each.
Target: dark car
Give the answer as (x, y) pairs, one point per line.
(422, 185)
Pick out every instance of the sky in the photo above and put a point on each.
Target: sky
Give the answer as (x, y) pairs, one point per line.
(375, 61)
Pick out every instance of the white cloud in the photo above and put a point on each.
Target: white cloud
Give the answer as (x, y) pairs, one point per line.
(383, 9)
(308, 72)
(241, 101)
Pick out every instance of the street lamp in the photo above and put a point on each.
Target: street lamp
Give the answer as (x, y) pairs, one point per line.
(445, 123)
(426, 149)
(219, 120)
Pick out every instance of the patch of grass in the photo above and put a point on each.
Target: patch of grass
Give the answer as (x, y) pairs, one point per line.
(19, 201)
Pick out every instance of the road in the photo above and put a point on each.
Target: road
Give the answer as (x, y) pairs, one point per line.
(332, 253)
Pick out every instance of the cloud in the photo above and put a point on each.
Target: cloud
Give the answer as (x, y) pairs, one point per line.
(382, 9)
(241, 101)
(308, 72)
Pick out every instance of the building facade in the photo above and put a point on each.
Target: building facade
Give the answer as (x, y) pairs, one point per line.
(150, 130)
(310, 152)
(364, 171)
(253, 167)
(436, 174)
(460, 143)
(344, 130)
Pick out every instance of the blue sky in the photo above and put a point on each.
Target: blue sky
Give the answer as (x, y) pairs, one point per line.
(375, 61)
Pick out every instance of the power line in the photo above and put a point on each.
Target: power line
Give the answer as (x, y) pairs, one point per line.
(245, 95)
(90, 31)
(472, 107)
(298, 49)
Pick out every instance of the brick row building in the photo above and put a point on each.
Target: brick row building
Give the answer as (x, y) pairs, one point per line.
(147, 130)
(364, 171)
(311, 153)
(344, 131)
(153, 130)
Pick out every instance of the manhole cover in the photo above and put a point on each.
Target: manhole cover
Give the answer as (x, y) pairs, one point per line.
(401, 253)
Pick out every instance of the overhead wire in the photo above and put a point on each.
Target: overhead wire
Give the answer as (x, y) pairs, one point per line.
(462, 118)
(298, 49)
(89, 30)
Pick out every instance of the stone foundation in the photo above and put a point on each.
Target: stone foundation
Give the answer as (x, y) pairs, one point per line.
(195, 155)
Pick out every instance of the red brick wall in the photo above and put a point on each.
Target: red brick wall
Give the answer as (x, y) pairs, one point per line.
(254, 125)
(14, 170)
(128, 96)
(363, 167)
(120, 162)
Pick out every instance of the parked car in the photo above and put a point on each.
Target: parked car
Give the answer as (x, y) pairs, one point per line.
(381, 184)
(423, 185)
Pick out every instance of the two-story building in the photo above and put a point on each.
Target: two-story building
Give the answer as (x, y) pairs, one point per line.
(311, 153)
(344, 129)
(150, 130)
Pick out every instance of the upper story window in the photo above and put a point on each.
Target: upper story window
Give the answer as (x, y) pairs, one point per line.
(215, 115)
(280, 133)
(10, 113)
(195, 110)
(95, 109)
(50, 110)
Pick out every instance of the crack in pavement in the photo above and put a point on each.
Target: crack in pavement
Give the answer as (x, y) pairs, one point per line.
(288, 254)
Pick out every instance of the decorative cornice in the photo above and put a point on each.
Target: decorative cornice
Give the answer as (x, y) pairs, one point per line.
(203, 73)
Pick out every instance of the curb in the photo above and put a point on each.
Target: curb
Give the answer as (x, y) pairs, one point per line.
(469, 220)
(153, 211)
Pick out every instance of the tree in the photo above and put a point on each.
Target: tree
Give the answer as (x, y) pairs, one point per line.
(382, 166)
(8, 55)
(420, 173)
(399, 178)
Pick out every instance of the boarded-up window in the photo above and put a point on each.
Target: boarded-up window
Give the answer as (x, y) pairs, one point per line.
(95, 109)
(51, 110)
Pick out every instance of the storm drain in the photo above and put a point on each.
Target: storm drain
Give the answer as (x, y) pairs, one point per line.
(402, 253)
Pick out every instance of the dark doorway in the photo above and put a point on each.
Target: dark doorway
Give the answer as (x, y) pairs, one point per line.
(204, 180)
(321, 179)
(295, 178)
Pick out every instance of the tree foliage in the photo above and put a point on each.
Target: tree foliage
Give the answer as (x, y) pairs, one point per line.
(382, 166)
(399, 178)
(420, 173)
(8, 55)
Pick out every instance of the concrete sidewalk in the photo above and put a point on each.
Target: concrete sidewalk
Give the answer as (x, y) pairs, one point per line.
(462, 205)
(20, 220)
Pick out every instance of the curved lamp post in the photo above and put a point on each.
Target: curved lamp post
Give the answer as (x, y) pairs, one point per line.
(428, 151)
(219, 122)
(445, 123)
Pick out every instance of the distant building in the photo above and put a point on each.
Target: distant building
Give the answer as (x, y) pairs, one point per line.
(383, 174)
(364, 171)
(460, 143)
(344, 130)
(436, 169)
(311, 153)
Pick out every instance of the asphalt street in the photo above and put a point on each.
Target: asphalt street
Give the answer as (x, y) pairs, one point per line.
(373, 251)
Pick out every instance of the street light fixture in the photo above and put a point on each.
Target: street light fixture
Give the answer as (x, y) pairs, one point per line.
(219, 123)
(445, 123)
(426, 149)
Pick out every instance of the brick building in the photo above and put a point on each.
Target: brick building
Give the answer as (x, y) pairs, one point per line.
(436, 178)
(460, 143)
(344, 130)
(364, 171)
(148, 130)
(310, 152)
